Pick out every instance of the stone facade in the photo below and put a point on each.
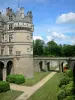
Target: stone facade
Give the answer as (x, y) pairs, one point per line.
(16, 37)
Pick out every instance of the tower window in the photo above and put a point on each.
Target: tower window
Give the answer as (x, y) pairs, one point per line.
(31, 36)
(2, 25)
(27, 49)
(18, 53)
(31, 48)
(2, 50)
(2, 37)
(10, 18)
(10, 50)
(10, 37)
(10, 26)
(27, 37)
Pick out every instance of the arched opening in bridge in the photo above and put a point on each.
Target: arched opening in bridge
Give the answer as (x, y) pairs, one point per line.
(9, 67)
(48, 66)
(64, 66)
(41, 66)
(1, 70)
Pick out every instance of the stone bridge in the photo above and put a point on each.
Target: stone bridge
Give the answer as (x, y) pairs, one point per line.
(45, 63)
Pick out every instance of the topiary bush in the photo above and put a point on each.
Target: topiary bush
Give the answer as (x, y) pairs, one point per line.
(63, 86)
(64, 81)
(70, 98)
(66, 85)
(4, 86)
(69, 73)
(16, 78)
(69, 89)
(61, 95)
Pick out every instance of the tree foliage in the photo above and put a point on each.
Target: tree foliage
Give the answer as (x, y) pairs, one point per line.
(52, 49)
(38, 47)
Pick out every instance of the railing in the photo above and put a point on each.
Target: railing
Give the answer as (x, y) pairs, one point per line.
(54, 58)
(15, 56)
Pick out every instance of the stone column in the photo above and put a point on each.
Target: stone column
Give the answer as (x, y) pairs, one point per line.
(69, 63)
(60, 68)
(43, 65)
(48, 66)
(12, 69)
(5, 71)
(4, 74)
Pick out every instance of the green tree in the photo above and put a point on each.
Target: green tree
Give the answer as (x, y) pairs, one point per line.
(46, 51)
(53, 48)
(68, 50)
(38, 47)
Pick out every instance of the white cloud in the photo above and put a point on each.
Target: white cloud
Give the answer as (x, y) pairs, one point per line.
(60, 38)
(49, 38)
(37, 37)
(73, 40)
(66, 18)
(58, 35)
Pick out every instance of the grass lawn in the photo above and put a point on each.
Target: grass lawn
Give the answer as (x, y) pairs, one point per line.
(49, 90)
(10, 95)
(37, 77)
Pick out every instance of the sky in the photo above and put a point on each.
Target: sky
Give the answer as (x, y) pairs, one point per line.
(52, 19)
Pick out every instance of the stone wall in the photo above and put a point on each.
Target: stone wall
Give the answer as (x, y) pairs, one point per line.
(52, 64)
(24, 66)
(44, 65)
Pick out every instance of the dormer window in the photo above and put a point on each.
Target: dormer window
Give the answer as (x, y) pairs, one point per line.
(10, 18)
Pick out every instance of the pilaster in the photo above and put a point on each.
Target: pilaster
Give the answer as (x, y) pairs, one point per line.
(4, 74)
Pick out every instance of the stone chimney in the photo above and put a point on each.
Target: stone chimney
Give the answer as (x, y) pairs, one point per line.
(8, 10)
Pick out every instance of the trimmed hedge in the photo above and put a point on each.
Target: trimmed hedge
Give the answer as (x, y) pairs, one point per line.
(16, 78)
(69, 89)
(64, 81)
(70, 98)
(66, 86)
(4, 86)
(69, 73)
(61, 95)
